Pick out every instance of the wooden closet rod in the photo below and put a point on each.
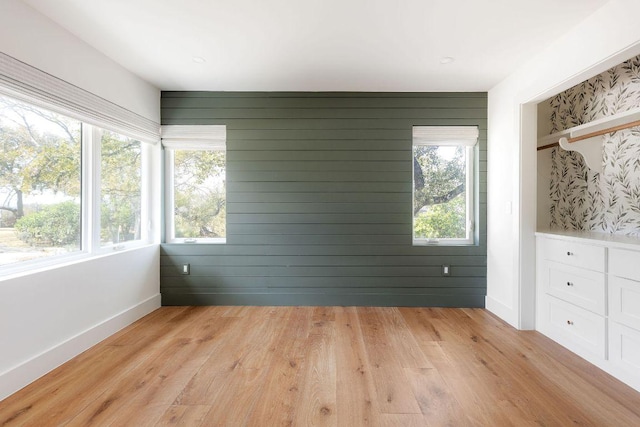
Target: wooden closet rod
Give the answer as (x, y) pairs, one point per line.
(596, 133)
(544, 147)
(604, 131)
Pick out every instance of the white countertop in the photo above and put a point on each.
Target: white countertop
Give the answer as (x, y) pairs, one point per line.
(606, 239)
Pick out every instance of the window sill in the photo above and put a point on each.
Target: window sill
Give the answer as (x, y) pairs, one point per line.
(43, 265)
(443, 242)
(206, 241)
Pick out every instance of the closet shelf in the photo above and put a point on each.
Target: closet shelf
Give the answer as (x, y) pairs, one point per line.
(587, 139)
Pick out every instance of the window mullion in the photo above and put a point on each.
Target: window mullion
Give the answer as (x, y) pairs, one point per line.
(470, 194)
(87, 187)
(145, 193)
(96, 199)
(169, 195)
(91, 188)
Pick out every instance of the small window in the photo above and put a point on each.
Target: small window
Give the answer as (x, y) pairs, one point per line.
(443, 178)
(195, 183)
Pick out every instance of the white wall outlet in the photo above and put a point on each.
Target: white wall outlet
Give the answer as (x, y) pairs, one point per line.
(446, 270)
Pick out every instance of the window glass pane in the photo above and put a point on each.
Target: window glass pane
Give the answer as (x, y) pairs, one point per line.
(40, 154)
(439, 196)
(120, 189)
(199, 194)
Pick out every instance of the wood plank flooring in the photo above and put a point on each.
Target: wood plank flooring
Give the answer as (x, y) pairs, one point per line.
(326, 366)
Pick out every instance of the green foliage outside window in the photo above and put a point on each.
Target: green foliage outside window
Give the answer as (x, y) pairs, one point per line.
(441, 221)
(40, 184)
(439, 198)
(54, 225)
(199, 194)
(120, 188)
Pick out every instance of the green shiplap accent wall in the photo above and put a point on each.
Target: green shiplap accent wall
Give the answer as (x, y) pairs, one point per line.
(319, 202)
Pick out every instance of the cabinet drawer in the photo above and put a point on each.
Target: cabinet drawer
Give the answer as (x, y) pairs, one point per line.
(572, 253)
(581, 287)
(623, 263)
(624, 351)
(624, 301)
(577, 326)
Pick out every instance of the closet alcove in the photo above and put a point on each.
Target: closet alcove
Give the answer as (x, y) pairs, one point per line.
(588, 220)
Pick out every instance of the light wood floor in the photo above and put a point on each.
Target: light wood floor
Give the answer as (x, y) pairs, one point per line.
(303, 366)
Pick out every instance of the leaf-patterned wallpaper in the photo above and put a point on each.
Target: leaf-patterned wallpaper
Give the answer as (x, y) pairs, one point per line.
(580, 198)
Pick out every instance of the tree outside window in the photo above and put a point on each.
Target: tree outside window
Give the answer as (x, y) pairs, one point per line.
(41, 203)
(443, 186)
(40, 164)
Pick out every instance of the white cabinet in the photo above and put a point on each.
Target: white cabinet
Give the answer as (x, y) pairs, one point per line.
(577, 327)
(624, 301)
(578, 286)
(624, 263)
(588, 298)
(572, 295)
(624, 314)
(573, 253)
(624, 352)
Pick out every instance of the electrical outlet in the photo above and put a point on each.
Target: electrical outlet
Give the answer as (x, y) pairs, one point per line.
(446, 270)
(186, 269)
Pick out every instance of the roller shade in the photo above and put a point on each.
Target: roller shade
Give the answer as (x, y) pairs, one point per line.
(28, 84)
(194, 137)
(445, 135)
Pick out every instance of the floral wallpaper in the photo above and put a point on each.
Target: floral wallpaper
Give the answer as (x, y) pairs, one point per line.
(580, 198)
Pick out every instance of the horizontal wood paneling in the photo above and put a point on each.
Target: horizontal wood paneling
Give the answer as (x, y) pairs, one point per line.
(325, 114)
(343, 250)
(319, 260)
(195, 283)
(319, 155)
(319, 202)
(287, 297)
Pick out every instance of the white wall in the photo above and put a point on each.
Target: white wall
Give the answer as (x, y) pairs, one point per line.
(49, 316)
(33, 38)
(606, 38)
(543, 218)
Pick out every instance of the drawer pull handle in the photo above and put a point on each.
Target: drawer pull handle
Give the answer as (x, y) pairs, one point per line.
(570, 322)
(569, 253)
(569, 283)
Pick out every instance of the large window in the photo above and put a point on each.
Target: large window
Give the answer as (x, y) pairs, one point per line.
(65, 186)
(195, 183)
(40, 170)
(443, 178)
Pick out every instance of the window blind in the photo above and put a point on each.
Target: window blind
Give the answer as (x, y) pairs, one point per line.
(194, 137)
(28, 84)
(445, 135)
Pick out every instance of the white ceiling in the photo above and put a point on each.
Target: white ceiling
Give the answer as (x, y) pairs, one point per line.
(319, 45)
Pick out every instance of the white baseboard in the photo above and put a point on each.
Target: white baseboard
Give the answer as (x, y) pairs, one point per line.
(502, 311)
(32, 369)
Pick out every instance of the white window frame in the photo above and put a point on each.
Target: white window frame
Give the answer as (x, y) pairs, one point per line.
(32, 86)
(193, 138)
(90, 201)
(91, 224)
(465, 136)
(93, 183)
